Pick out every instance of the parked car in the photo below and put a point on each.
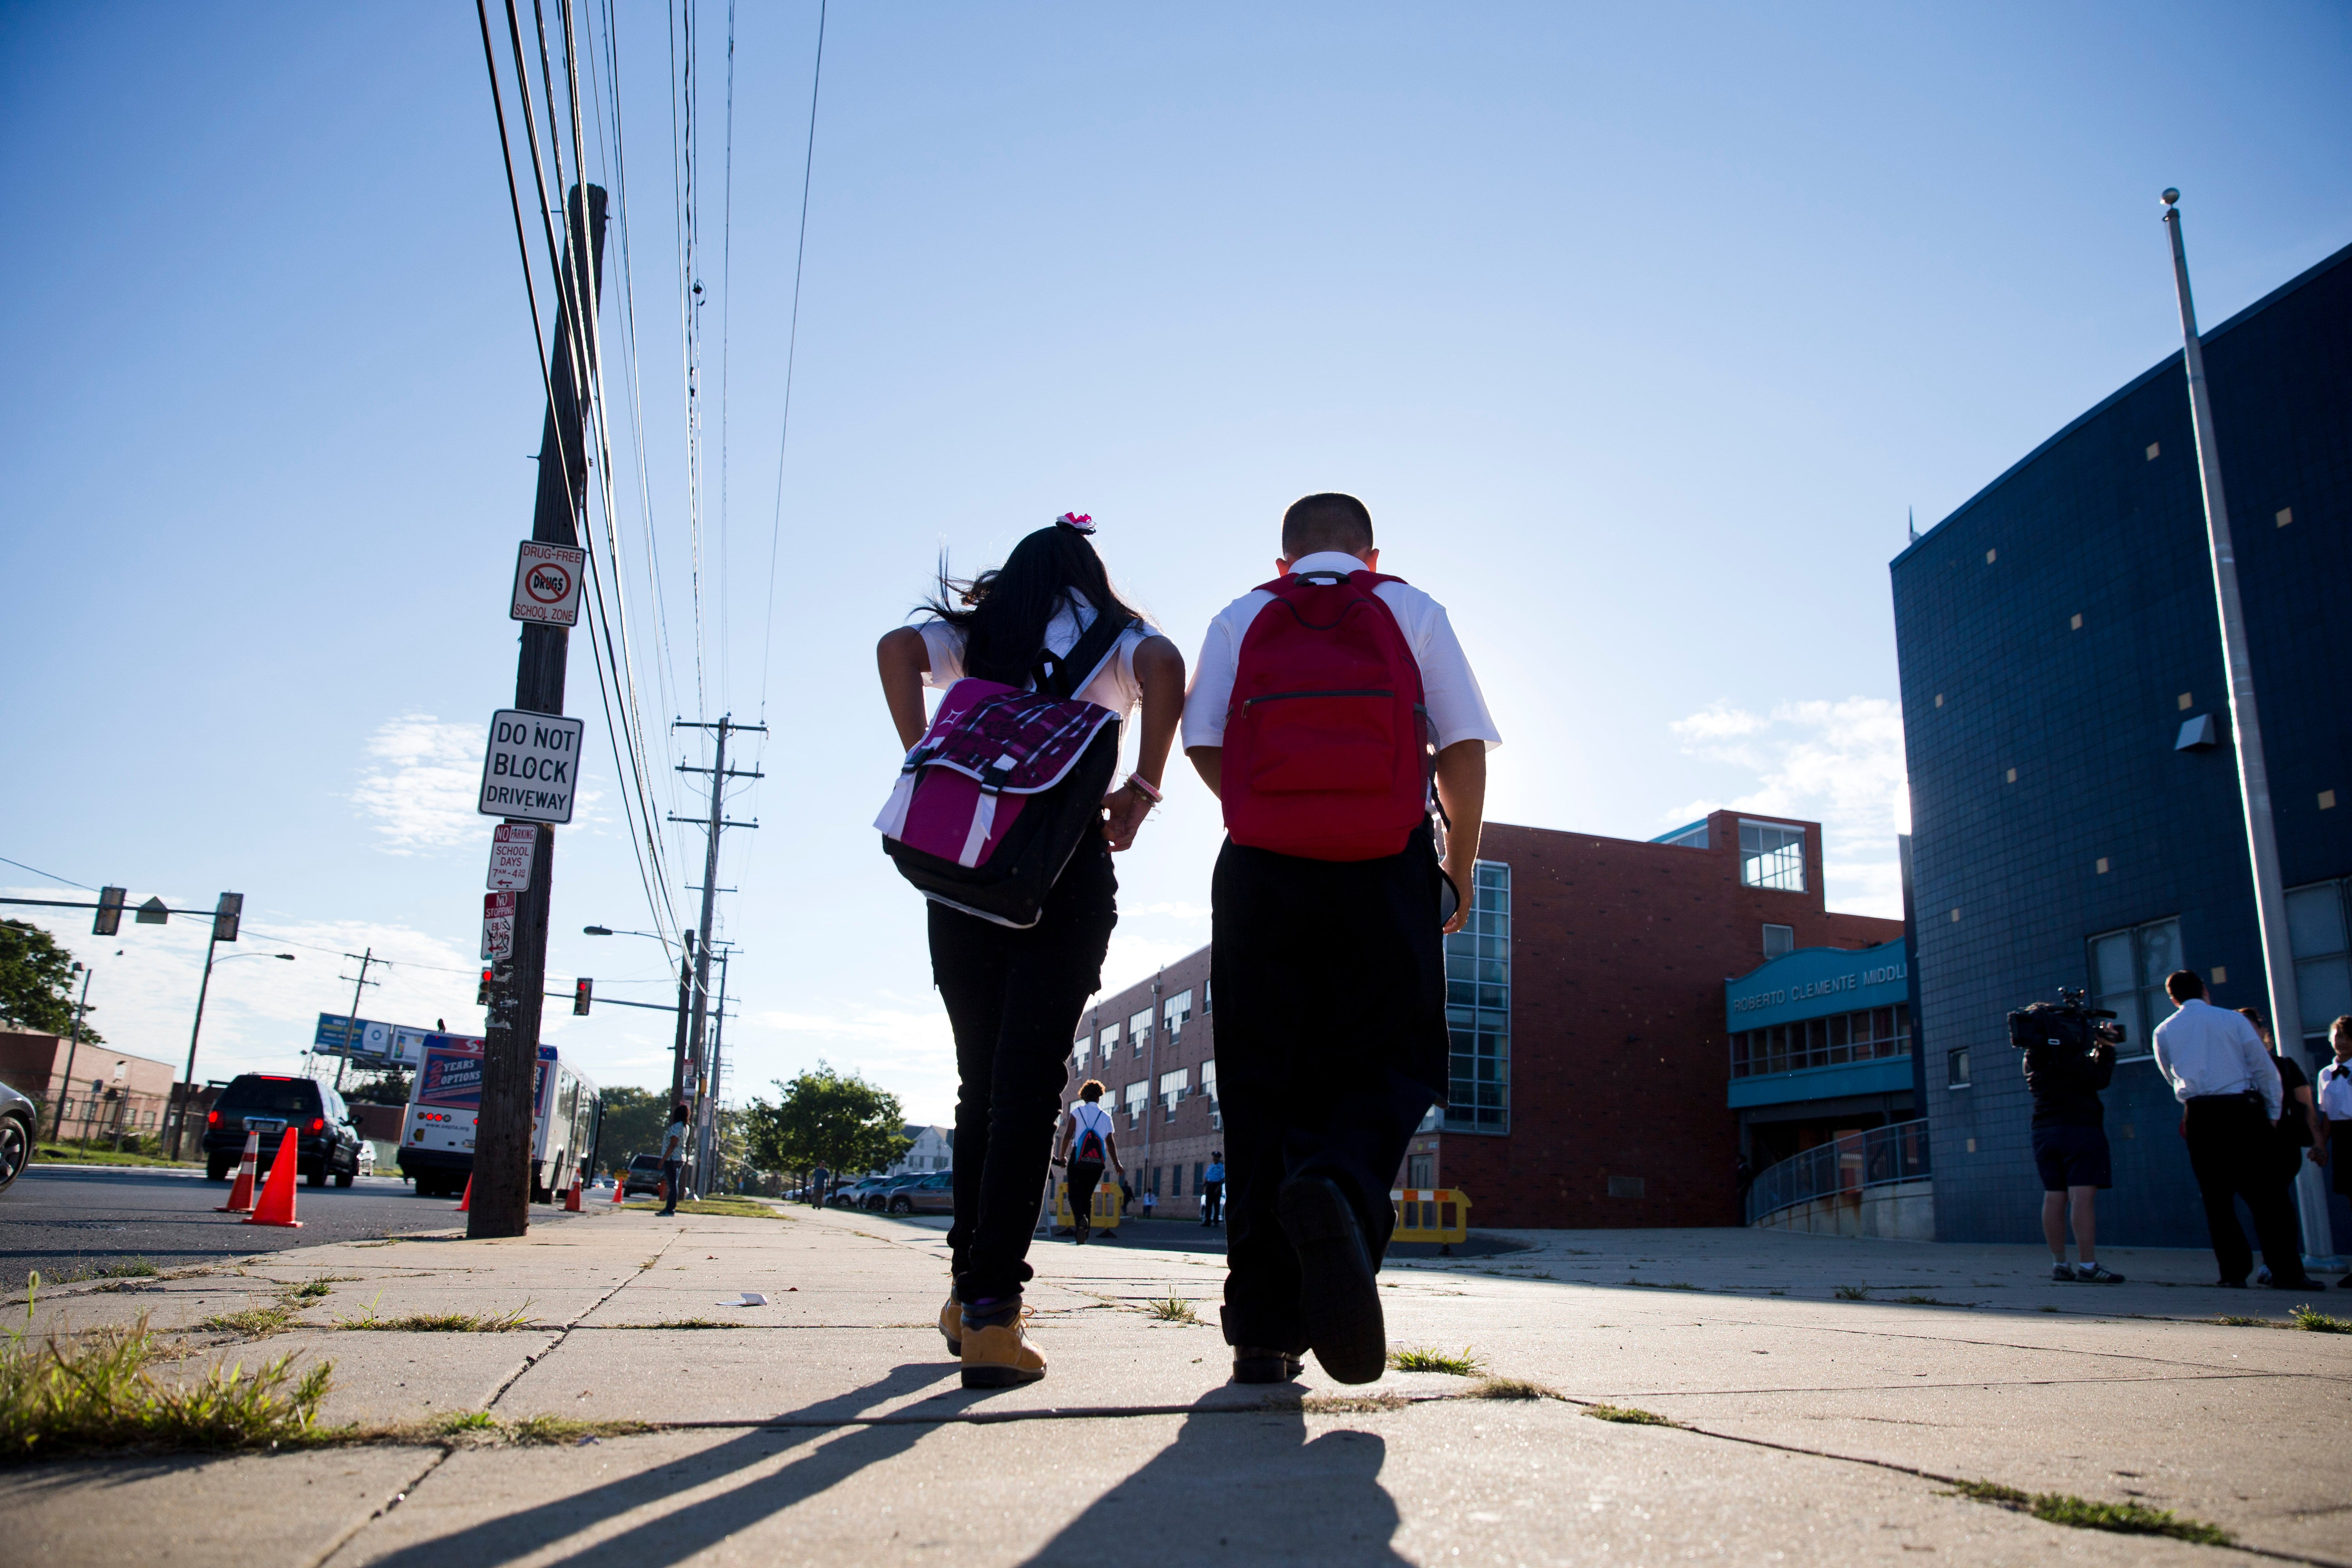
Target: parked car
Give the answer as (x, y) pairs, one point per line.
(367, 1159)
(20, 1123)
(933, 1194)
(879, 1200)
(327, 1144)
(643, 1177)
(855, 1194)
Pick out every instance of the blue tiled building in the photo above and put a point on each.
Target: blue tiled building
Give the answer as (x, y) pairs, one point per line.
(2075, 817)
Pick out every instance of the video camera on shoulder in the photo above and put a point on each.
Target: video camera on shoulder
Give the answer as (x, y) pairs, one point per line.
(2065, 1025)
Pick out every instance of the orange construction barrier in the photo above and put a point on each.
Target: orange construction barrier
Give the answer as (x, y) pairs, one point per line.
(240, 1196)
(465, 1201)
(277, 1204)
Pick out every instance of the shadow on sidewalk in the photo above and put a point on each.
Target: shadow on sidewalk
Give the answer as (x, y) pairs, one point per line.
(679, 1532)
(1249, 1484)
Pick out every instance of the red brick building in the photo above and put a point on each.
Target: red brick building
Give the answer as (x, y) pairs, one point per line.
(1589, 1068)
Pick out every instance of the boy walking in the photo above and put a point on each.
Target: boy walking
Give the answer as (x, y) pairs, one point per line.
(1326, 701)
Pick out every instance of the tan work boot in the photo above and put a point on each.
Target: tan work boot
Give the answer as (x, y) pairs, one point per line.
(999, 1355)
(952, 1324)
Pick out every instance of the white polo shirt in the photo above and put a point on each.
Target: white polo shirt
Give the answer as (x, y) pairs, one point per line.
(1457, 707)
(1116, 688)
(2336, 1092)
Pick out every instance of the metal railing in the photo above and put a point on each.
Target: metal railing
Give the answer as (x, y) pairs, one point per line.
(1898, 1152)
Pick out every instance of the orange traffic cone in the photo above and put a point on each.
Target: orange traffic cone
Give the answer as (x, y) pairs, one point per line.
(620, 1191)
(277, 1204)
(465, 1201)
(571, 1195)
(240, 1196)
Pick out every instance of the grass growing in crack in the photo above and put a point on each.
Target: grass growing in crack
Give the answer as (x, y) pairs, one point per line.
(1510, 1388)
(1171, 1309)
(1629, 1416)
(1463, 1365)
(73, 1394)
(130, 1268)
(468, 1421)
(2226, 1321)
(686, 1323)
(738, 1208)
(648, 1263)
(2081, 1513)
(1853, 1292)
(549, 1429)
(438, 1322)
(1351, 1404)
(2311, 1320)
(253, 1322)
(1917, 1300)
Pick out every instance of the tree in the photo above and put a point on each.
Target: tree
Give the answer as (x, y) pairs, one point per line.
(825, 1118)
(37, 983)
(381, 1086)
(634, 1120)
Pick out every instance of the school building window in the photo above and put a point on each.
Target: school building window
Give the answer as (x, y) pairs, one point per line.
(1171, 1090)
(2127, 971)
(1209, 1088)
(1779, 941)
(1079, 1052)
(1861, 1036)
(2316, 928)
(1479, 1008)
(1772, 856)
(1139, 1030)
(1138, 1094)
(1110, 1042)
(1177, 1011)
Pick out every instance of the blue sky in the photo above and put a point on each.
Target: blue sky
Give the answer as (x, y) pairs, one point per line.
(1639, 331)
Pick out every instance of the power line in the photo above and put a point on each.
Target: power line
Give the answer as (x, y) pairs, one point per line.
(792, 355)
(52, 876)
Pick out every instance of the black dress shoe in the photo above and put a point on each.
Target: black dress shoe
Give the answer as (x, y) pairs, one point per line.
(1338, 1297)
(1256, 1363)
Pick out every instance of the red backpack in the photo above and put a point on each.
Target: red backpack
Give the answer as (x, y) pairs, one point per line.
(1329, 752)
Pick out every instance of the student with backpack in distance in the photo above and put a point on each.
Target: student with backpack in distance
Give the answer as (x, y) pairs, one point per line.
(1004, 819)
(1326, 704)
(1086, 1144)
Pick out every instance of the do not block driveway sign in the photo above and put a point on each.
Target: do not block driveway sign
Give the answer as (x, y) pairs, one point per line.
(532, 768)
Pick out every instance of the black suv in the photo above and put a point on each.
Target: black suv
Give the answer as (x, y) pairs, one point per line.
(269, 1104)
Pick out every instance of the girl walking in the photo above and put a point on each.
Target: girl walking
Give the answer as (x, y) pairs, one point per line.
(1014, 995)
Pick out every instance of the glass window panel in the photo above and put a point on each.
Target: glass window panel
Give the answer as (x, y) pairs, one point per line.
(2111, 964)
(2314, 919)
(1177, 1009)
(1773, 856)
(1842, 1029)
(2159, 951)
(1478, 996)
(2323, 989)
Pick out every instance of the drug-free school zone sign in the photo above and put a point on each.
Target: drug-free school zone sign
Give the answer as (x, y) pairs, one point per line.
(532, 767)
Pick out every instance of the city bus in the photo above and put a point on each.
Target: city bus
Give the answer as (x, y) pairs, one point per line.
(437, 1141)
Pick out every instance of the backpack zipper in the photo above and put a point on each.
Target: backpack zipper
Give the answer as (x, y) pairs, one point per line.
(1283, 695)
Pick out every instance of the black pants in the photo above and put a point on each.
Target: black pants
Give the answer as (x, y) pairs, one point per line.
(673, 1178)
(1014, 998)
(1084, 1176)
(1212, 1202)
(1331, 984)
(2233, 1150)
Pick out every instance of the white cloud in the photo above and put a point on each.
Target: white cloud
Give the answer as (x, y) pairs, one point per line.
(1837, 763)
(420, 788)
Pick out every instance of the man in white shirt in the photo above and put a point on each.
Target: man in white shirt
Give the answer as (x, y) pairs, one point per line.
(1325, 954)
(2223, 1075)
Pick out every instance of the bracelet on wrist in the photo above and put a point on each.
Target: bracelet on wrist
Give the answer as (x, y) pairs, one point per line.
(1142, 786)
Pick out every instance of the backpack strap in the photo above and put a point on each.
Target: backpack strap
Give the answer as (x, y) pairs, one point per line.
(1058, 675)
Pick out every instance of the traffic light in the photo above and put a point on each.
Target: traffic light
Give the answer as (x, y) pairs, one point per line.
(580, 993)
(226, 916)
(482, 995)
(110, 911)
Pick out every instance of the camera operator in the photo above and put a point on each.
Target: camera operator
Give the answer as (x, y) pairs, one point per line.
(2223, 1075)
(2064, 1075)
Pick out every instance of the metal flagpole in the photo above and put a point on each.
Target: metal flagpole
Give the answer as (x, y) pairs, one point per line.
(2245, 725)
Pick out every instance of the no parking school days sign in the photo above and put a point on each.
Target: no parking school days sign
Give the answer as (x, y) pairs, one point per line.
(532, 767)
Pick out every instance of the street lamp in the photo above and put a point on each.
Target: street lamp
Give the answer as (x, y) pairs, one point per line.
(188, 1090)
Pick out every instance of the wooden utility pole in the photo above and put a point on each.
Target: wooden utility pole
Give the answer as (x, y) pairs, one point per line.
(501, 1201)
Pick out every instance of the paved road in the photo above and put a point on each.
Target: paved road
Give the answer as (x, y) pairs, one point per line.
(63, 1219)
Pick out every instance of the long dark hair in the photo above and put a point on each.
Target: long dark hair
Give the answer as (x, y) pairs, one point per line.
(1004, 613)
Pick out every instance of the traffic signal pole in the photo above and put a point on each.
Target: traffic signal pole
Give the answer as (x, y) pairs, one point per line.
(502, 1200)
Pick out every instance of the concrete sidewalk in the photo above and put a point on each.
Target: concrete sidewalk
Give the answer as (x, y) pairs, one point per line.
(829, 1426)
